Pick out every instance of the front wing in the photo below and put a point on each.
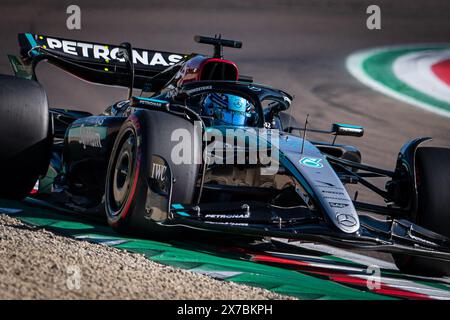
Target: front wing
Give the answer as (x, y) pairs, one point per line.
(300, 224)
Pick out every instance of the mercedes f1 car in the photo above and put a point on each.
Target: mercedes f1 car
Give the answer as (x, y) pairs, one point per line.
(165, 158)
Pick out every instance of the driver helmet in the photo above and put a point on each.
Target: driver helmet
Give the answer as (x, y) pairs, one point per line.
(227, 108)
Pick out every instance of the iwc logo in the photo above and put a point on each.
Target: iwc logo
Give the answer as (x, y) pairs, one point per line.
(159, 171)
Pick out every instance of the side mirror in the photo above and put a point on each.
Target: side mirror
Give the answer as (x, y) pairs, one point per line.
(272, 111)
(343, 129)
(279, 107)
(276, 107)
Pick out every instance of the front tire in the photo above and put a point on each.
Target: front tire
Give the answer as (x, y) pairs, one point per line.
(143, 176)
(433, 186)
(126, 185)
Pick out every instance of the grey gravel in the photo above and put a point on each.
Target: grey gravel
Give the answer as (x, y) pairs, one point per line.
(37, 264)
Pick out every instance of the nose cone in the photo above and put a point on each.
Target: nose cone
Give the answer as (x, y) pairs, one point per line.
(313, 169)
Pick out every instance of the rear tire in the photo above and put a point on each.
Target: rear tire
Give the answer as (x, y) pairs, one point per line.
(25, 135)
(433, 184)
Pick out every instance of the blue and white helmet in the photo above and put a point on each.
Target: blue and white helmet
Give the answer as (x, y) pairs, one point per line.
(227, 108)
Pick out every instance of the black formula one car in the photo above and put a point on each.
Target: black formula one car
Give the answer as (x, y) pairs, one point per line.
(204, 147)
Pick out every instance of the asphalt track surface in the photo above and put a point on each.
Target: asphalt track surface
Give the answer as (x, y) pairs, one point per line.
(298, 46)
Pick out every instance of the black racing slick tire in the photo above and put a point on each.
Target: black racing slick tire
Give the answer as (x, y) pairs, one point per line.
(433, 186)
(125, 187)
(25, 135)
(135, 195)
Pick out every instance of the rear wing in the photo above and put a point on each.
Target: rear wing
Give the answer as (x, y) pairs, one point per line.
(99, 62)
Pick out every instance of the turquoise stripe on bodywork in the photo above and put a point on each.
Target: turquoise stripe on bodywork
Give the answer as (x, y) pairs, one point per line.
(180, 206)
(151, 99)
(30, 38)
(182, 213)
(33, 42)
